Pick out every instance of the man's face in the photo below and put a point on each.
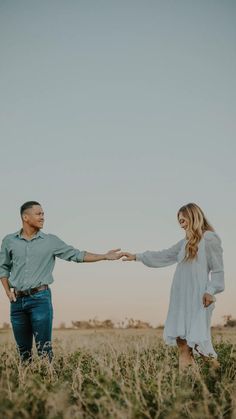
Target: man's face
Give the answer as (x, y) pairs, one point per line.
(34, 216)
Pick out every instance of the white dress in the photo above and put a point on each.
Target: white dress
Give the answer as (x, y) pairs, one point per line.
(187, 317)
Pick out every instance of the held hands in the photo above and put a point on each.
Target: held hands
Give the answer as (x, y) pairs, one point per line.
(207, 299)
(116, 254)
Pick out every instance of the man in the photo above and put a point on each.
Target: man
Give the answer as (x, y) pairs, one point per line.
(27, 259)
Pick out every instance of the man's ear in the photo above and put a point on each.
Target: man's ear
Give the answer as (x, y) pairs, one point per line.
(24, 217)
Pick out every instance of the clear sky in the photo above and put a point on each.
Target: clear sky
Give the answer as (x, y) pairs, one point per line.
(113, 114)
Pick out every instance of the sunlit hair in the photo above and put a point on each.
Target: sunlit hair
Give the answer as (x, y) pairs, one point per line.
(197, 225)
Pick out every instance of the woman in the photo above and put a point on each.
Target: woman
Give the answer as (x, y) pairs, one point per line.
(192, 292)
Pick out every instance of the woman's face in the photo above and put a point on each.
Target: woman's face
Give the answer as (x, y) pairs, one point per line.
(183, 221)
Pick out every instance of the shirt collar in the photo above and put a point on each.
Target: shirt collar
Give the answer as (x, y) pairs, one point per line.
(38, 234)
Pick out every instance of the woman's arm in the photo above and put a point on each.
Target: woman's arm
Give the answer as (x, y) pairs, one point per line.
(156, 259)
(214, 254)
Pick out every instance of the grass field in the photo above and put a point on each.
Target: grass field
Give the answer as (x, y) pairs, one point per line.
(116, 374)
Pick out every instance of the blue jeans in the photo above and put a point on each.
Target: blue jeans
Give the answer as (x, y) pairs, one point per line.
(32, 316)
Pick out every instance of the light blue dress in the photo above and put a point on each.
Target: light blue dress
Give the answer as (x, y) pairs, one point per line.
(187, 317)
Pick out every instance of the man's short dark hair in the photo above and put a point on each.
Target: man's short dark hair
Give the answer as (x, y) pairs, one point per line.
(27, 205)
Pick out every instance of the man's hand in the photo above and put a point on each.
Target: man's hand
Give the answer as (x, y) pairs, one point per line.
(207, 299)
(128, 256)
(9, 291)
(11, 295)
(113, 254)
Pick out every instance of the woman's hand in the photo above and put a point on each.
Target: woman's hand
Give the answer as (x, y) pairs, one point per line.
(207, 299)
(128, 256)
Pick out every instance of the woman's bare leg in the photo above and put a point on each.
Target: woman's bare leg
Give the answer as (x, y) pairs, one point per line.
(185, 354)
(213, 361)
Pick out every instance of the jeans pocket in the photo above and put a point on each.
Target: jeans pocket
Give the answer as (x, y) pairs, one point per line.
(40, 295)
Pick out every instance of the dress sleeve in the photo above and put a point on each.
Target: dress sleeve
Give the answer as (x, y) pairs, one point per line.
(214, 254)
(65, 251)
(161, 258)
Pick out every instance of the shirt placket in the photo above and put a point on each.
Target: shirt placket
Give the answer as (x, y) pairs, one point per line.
(27, 262)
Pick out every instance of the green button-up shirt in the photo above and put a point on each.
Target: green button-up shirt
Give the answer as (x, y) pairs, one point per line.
(29, 263)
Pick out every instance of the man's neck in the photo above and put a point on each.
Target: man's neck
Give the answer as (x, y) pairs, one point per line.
(28, 232)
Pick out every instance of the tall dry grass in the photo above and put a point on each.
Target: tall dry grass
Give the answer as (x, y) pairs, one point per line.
(118, 375)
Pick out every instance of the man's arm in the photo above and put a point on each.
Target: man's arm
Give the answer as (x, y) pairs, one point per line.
(110, 255)
(5, 269)
(69, 253)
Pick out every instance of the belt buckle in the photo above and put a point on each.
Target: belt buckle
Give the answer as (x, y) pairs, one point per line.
(27, 292)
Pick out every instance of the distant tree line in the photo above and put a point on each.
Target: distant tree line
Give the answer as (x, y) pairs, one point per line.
(126, 324)
(109, 324)
(229, 321)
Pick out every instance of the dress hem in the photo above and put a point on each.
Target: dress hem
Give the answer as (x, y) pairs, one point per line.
(196, 346)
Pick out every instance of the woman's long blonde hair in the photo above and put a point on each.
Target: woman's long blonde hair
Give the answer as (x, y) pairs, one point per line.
(198, 224)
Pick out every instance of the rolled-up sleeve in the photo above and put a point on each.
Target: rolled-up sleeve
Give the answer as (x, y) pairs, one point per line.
(214, 253)
(66, 252)
(5, 260)
(161, 258)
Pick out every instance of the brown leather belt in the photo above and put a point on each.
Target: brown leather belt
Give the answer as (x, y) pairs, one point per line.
(31, 291)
